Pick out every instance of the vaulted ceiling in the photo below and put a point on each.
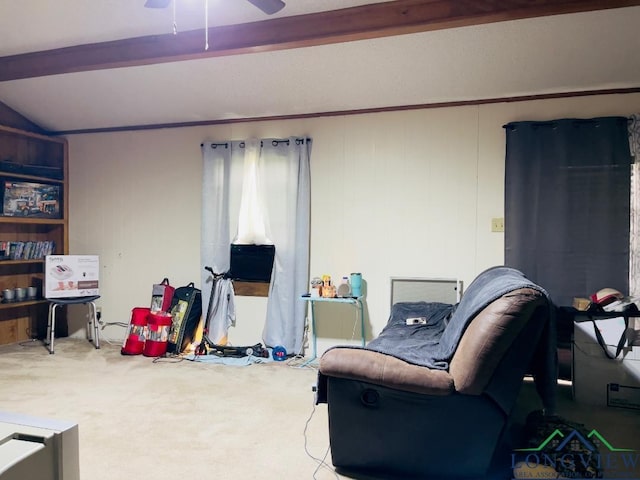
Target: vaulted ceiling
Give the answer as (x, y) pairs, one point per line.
(75, 65)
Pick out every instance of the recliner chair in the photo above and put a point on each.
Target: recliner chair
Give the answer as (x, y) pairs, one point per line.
(389, 418)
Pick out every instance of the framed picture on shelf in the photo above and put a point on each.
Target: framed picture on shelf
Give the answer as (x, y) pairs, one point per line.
(28, 199)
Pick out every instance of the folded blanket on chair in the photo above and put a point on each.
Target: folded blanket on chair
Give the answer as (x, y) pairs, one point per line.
(411, 341)
(434, 343)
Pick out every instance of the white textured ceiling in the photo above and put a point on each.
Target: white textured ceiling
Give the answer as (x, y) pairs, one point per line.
(562, 53)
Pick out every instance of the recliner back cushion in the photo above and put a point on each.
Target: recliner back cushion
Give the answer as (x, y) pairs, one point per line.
(488, 337)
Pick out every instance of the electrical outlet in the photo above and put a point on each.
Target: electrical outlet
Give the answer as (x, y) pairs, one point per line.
(497, 224)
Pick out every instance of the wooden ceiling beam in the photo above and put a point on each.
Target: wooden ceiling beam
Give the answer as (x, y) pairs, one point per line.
(348, 24)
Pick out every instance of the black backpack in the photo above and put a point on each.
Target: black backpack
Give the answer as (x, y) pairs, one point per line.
(186, 309)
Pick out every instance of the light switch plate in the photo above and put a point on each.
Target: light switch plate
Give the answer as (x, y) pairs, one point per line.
(497, 224)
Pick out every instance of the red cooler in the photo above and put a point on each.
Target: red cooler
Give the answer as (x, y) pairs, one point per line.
(159, 324)
(136, 333)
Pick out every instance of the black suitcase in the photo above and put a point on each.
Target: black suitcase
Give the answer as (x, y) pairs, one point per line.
(251, 263)
(186, 310)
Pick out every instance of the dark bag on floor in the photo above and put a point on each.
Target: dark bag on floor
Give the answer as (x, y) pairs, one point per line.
(186, 309)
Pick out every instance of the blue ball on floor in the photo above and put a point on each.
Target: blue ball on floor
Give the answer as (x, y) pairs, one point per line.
(279, 353)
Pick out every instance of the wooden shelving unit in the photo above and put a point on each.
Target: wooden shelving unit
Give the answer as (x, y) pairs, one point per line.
(32, 158)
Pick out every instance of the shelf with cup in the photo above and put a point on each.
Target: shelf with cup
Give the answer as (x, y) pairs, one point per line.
(23, 303)
(33, 211)
(23, 318)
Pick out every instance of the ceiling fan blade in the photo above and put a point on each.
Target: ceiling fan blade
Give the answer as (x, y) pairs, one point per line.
(157, 3)
(267, 6)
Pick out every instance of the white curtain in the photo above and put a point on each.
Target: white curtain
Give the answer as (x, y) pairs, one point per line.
(285, 176)
(282, 180)
(634, 251)
(251, 221)
(217, 186)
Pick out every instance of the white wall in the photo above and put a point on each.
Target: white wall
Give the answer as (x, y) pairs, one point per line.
(407, 193)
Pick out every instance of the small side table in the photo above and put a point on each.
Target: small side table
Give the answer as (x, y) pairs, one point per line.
(357, 302)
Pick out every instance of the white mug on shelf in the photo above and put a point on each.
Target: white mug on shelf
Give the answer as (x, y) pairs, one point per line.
(20, 293)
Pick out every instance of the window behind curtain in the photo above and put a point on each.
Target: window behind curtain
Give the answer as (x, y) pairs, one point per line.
(567, 214)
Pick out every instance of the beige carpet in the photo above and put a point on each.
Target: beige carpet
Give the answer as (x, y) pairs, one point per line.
(141, 420)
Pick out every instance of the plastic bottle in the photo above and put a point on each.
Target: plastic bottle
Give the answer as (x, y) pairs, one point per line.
(344, 289)
(356, 284)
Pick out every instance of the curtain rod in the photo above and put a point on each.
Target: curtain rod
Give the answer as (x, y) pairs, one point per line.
(553, 123)
(275, 143)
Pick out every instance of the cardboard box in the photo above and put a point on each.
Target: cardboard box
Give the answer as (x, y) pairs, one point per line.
(599, 380)
(26, 199)
(71, 276)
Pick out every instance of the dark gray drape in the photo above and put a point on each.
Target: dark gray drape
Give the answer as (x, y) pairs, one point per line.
(567, 190)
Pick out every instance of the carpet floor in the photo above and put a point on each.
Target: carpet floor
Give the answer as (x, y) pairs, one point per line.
(168, 419)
